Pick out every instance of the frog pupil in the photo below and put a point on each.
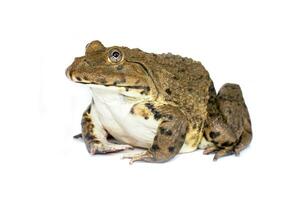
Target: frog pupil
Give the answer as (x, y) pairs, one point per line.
(116, 54)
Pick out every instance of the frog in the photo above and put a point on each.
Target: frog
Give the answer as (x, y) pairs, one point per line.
(164, 104)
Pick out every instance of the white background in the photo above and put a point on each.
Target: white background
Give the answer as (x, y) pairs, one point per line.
(253, 43)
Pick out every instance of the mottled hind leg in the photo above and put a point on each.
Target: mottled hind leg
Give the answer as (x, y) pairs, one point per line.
(95, 136)
(230, 127)
(169, 138)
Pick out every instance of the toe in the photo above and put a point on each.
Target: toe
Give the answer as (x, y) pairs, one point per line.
(143, 156)
(222, 153)
(77, 136)
(210, 150)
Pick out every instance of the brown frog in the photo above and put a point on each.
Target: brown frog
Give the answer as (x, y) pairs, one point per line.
(166, 104)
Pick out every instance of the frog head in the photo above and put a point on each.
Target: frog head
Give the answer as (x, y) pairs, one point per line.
(117, 67)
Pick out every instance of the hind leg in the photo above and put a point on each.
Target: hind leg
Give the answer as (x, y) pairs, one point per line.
(230, 128)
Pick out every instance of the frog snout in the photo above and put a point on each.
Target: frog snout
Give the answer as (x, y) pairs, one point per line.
(70, 70)
(68, 73)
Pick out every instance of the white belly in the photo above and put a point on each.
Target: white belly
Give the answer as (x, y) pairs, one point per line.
(113, 111)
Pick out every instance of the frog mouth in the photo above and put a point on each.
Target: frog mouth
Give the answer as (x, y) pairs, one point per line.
(144, 89)
(141, 89)
(127, 87)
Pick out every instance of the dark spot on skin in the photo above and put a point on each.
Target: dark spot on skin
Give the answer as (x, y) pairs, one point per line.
(90, 127)
(226, 144)
(120, 67)
(175, 78)
(101, 80)
(83, 122)
(157, 115)
(89, 137)
(87, 119)
(146, 117)
(146, 90)
(215, 143)
(190, 89)
(171, 149)
(122, 80)
(213, 135)
(168, 91)
(127, 89)
(139, 87)
(149, 106)
(168, 132)
(169, 117)
(78, 78)
(155, 147)
(183, 136)
(162, 130)
(194, 126)
(213, 114)
(206, 125)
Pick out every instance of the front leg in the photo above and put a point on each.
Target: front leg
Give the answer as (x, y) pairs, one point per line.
(95, 136)
(170, 134)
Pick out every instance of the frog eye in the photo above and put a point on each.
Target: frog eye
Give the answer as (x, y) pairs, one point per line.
(115, 55)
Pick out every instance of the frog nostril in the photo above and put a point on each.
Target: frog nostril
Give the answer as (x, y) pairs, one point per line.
(69, 73)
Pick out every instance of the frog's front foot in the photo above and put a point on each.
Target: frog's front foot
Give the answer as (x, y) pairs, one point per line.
(218, 152)
(96, 147)
(142, 156)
